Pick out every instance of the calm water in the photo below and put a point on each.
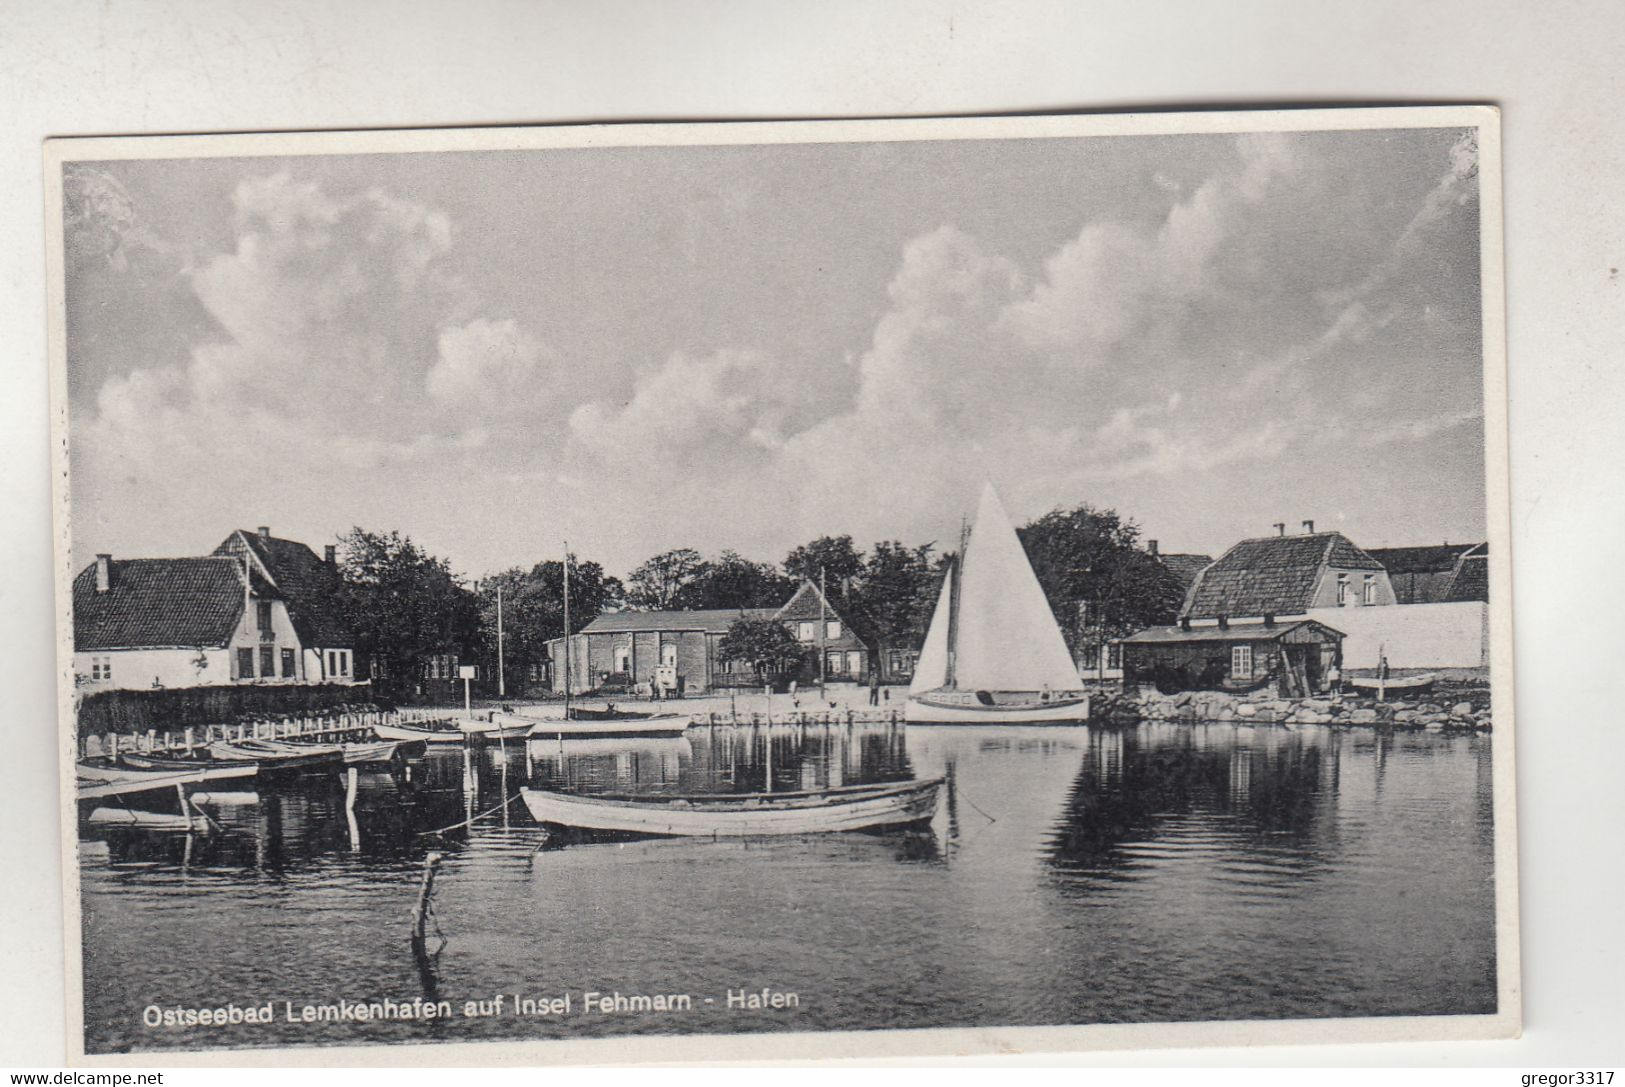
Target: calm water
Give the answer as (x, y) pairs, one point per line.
(1159, 873)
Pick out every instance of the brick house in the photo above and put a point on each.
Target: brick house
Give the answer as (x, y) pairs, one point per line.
(628, 650)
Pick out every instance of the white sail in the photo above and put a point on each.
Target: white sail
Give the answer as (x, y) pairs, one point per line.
(1008, 639)
(931, 671)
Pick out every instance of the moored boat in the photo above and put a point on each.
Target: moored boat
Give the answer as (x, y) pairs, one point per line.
(994, 654)
(643, 724)
(739, 815)
(277, 755)
(495, 727)
(100, 779)
(412, 732)
(1395, 685)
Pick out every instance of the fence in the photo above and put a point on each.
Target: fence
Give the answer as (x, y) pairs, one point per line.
(134, 712)
(328, 728)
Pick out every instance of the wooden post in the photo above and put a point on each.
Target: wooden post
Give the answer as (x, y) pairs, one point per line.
(152, 737)
(188, 735)
(420, 914)
(186, 806)
(112, 744)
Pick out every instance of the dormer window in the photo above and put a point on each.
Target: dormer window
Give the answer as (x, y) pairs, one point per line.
(262, 609)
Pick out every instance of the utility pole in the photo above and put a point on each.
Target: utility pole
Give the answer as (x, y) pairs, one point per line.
(822, 627)
(502, 673)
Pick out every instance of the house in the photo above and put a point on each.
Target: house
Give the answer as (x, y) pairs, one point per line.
(1441, 573)
(310, 587)
(632, 649)
(1107, 666)
(187, 622)
(1294, 655)
(1285, 576)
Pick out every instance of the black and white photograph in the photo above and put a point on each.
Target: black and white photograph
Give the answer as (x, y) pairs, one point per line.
(718, 588)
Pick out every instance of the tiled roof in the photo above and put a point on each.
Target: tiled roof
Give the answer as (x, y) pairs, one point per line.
(1272, 575)
(310, 586)
(1419, 560)
(1186, 567)
(1473, 580)
(158, 603)
(1235, 632)
(710, 620)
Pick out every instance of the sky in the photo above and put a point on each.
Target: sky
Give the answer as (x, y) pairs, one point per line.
(746, 347)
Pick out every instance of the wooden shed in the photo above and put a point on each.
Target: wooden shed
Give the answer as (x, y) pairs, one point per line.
(1294, 656)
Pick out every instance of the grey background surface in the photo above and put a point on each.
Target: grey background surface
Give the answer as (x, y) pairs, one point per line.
(77, 69)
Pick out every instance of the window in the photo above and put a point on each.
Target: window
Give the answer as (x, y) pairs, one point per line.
(854, 662)
(263, 609)
(832, 629)
(333, 664)
(268, 661)
(101, 668)
(1342, 590)
(287, 664)
(668, 654)
(1114, 655)
(1089, 657)
(806, 631)
(623, 658)
(832, 662)
(344, 662)
(245, 663)
(1241, 660)
(1369, 593)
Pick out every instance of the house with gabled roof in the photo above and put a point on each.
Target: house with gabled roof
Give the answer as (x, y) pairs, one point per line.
(1281, 576)
(1438, 573)
(183, 622)
(681, 648)
(310, 586)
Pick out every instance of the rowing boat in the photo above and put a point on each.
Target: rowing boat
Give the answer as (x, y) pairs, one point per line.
(276, 755)
(427, 735)
(739, 815)
(99, 779)
(1400, 685)
(548, 728)
(495, 729)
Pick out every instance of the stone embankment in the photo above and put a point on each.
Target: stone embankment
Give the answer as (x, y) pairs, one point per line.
(1466, 710)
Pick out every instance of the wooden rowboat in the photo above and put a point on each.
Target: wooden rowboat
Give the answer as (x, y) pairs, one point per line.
(1400, 685)
(549, 728)
(740, 815)
(98, 780)
(276, 755)
(427, 735)
(498, 727)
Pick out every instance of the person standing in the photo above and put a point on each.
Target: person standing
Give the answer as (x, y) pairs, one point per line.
(874, 686)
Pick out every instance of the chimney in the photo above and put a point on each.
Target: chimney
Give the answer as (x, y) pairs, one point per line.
(1269, 619)
(1280, 528)
(1151, 548)
(265, 532)
(330, 554)
(1184, 622)
(1309, 528)
(104, 573)
(1224, 622)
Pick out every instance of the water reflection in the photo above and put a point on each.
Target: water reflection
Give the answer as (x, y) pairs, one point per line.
(1070, 875)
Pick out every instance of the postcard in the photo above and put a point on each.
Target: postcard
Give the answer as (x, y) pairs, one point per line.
(782, 590)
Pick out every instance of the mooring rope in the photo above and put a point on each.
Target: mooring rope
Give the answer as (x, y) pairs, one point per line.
(469, 821)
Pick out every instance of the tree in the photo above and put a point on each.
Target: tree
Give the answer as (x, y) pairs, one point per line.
(892, 597)
(832, 557)
(1091, 557)
(533, 611)
(656, 583)
(403, 604)
(764, 644)
(733, 581)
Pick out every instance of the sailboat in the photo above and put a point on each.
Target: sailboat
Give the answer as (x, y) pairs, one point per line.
(994, 654)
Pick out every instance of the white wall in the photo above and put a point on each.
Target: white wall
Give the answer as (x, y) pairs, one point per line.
(1412, 635)
(135, 669)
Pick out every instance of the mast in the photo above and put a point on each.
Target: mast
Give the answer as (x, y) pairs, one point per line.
(955, 581)
(822, 627)
(566, 630)
(502, 678)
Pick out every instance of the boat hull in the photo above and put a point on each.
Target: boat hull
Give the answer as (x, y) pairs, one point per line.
(757, 816)
(928, 711)
(427, 735)
(548, 728)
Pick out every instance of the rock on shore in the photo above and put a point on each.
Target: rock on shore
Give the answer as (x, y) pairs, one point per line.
(1469, 712)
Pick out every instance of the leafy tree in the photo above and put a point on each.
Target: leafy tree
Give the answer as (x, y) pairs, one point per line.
(733, 581)
(892, 597)
(764, 644)
(1091, 557)
(403, 603)
(533, 611)
(833, 557)
(657, 582)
